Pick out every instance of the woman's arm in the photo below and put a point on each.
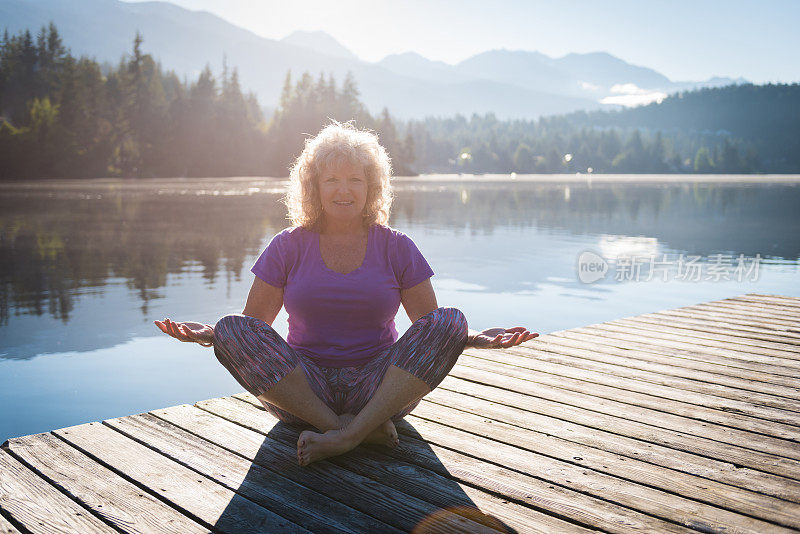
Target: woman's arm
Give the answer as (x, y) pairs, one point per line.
(264, 301)
(419, 300)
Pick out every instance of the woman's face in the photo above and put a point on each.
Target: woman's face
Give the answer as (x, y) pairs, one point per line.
(343, 191)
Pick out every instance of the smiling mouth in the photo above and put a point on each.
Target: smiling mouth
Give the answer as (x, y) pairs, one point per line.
(342, 203)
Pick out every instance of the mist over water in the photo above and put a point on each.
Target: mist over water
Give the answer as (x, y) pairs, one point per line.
(86, 266)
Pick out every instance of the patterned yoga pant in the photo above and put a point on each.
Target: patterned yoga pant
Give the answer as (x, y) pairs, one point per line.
(258, 357)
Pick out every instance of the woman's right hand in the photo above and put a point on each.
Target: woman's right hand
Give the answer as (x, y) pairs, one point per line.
(188, 331)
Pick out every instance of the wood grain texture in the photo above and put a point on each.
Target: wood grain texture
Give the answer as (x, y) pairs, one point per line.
(201, 498)
(433, 480)
(108, 495)
(676, 421)
(268, 488)
(6, 527)
(658, 445)
(703, 393)
(576, 388)
(399, 509)
(38, 506)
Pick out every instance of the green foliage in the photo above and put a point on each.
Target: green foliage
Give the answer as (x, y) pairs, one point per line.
(308, 105)
(64, 117)
(593, 142)
(702, 161)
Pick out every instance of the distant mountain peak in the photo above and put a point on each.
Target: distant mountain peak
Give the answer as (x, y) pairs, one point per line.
(320, 42)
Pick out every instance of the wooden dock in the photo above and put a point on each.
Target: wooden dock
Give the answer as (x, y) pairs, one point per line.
(684, 420)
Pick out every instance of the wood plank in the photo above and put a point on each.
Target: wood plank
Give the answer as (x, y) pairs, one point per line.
(651, 445)
(706, 486)
(665, 338)
(715, 395)
(761, 307)
(432, 465)
(6, 527)
(746, 328)
(674, 500)
(795, 300)
(420, 482)
(705, 324)
(783, 300)
(774, 323)
(202, 499)
(392, 506)
(108, 495)
(698, 335)
(776, 303)
(761, 302)
(743, 312)
(716, 339)
(39, 507)
(739, 321)
(767, 363)
(468, 435)
(665, 447)
(764, 314)
(268, 488)
(651, 352)
(699, 405)
(655, 411)
(562, 501)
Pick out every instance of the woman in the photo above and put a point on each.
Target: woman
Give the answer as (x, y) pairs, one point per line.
(342, 274)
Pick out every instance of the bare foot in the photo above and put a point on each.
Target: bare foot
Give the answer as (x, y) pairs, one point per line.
(313, 446)
(386, 434)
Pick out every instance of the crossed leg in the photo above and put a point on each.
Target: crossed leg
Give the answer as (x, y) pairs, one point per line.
(411, 369)
(296, 392)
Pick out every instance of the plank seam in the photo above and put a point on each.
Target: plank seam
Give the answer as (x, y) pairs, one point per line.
(62, 489)
(198, 436)
(611, 329)
(445, 474)
(744, 449)
(636, 482)
(725, 411)
(141, 486)
(605, 341)
(261, 433)
(486, 490)
(734, 463)
(645, 380)
(5, 514)
(620, 416)
(608, 336)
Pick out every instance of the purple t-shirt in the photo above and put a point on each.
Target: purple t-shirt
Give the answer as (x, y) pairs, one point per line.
(340, 320)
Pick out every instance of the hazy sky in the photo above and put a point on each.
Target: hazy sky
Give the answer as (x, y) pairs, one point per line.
(682, 39)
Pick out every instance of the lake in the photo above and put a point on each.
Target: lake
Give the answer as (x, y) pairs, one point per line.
(86, 266)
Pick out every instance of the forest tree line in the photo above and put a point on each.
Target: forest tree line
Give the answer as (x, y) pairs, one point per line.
(62, 116)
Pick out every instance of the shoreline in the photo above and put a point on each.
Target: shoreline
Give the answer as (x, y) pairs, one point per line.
(137, 183)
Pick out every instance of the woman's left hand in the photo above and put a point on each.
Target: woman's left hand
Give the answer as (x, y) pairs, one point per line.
(500, 338)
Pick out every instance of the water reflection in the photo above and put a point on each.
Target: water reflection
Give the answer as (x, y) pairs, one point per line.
(86, 265)
(59, 244)
(113, 247)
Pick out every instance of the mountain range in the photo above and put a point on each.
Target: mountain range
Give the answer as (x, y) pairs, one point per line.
(510, 84)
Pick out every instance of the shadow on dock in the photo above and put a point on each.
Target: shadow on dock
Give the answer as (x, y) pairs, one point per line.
(369, 489)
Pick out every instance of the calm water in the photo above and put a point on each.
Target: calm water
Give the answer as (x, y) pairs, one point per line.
(86, 266)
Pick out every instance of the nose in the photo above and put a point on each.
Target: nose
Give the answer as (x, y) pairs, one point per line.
(343, 188)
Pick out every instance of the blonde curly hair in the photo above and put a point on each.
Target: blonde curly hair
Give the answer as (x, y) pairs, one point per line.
(334, 144)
